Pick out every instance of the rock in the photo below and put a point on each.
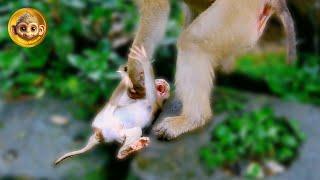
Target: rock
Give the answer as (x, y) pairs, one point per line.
(30, 142)
(273, 168)
(180, 158)
(59, 120)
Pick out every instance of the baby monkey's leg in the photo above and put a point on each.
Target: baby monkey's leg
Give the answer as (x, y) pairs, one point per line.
(93, 141)
(133, 142)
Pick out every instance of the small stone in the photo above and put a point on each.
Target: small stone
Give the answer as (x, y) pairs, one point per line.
(59, 120)
(20, 135)
(272, 167)
(10, 155)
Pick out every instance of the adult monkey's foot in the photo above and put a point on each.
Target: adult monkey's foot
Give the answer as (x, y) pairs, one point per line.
(172, 127)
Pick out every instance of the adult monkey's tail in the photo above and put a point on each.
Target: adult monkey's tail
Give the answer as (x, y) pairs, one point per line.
(281, 9)
(92, 142)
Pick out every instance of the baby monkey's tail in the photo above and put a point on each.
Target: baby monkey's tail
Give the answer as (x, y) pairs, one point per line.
(92, 142)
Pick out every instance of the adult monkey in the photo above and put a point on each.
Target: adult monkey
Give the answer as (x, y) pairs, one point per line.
(215, 31)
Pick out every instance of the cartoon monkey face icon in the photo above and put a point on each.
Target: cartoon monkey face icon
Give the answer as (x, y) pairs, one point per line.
(28, 27)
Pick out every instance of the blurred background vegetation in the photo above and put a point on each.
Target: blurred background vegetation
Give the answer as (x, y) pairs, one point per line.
(88, 40)
(85, 44)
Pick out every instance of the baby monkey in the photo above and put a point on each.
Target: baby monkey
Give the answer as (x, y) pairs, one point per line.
(123, 118)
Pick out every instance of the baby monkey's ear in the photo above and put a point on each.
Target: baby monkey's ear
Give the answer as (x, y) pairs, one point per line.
(42, 30)
(13, 29)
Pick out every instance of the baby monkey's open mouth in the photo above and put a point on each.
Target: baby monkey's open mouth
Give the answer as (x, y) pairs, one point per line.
(161, 88)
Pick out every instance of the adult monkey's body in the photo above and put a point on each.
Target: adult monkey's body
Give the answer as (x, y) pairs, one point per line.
(215, 31)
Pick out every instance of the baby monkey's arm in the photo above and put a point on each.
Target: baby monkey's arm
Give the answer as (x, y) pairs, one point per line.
(124, 85)
(117, 93)
(123, 71)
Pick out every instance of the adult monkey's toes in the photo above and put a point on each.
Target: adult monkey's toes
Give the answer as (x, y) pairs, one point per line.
(172, 127)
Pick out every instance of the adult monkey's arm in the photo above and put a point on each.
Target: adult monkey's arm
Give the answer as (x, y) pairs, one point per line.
(153, 19)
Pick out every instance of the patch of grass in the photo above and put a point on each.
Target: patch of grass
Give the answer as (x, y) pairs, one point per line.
(294, 82)
(228, 100)
(97, 174)
(253, 136)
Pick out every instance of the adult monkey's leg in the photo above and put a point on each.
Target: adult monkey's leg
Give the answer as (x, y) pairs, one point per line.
(211, 38)
(189, 15)
(194, 80)
(190, 86)
(154, 16)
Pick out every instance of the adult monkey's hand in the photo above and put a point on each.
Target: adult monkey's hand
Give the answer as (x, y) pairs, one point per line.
(153, 19)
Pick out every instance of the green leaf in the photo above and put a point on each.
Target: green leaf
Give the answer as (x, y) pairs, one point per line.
(28, 78)
(284, 154)
(63, 44)
(289, 141)
(36, 56)
(10, 62)
(254, 171)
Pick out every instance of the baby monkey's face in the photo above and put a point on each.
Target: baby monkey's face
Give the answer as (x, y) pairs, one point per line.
(163, 89)
(27, 31)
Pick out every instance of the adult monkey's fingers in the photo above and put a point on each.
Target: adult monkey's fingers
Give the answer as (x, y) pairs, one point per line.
(134, 57)
(134, 51)
(144, 51)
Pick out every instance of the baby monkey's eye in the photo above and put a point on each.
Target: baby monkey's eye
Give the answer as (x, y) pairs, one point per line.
(33, 28)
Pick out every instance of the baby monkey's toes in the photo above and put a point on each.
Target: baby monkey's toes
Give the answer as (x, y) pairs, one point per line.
(134, 147)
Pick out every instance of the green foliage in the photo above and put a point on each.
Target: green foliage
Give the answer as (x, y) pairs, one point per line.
(228, 100)
(98, 174)
(77, 59)
(296, 82)
(256, 135)
(254, 171)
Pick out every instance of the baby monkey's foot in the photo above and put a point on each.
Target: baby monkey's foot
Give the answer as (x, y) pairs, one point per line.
(136, 146)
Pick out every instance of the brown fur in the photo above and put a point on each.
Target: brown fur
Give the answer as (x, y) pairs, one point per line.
(215, 32)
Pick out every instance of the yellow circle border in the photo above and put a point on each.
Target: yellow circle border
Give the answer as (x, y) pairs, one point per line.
(16, 39)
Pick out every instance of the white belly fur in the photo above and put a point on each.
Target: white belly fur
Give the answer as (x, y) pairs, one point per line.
(135, 114)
